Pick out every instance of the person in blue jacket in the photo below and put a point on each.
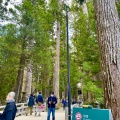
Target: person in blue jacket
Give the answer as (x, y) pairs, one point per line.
(10, 110)
(30, 104)
(64, 102)
(39, 101)
(52, 100)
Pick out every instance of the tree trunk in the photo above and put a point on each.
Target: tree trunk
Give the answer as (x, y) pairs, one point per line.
(108, 34)
(89, 99)
(57, 59)
(19, 76)
(56, 71)
(29, 79)
(23, 94)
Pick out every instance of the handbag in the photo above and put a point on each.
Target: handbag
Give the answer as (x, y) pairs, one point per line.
(39, 103)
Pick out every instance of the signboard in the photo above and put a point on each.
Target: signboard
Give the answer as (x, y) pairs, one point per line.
(91, 114)
(78, 116)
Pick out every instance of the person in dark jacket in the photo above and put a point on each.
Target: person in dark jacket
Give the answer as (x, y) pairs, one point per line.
(52, 100)
(64, 102)
(39, 101)
(10, 110)
(30, 104)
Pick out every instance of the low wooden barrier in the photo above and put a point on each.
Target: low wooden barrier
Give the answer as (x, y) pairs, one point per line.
(21, 108)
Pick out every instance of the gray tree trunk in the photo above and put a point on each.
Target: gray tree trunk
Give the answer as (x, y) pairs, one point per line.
(29, 79)
(23, 94)
(57, 59)
(57, 66)
(108, 34)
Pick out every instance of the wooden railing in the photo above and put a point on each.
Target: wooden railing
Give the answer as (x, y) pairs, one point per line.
(21, 108)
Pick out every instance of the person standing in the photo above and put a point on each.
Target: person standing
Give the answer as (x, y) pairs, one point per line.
(52, 100)
(39, 101)
(30, 104)
(64, 102)
(10, 110)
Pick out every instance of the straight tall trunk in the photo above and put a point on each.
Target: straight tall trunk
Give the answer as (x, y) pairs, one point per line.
(19, 76)
(29, 79)
(24, 82)
(108, 34)
(57, 59)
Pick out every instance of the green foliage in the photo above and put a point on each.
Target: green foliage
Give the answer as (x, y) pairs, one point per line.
(9, 58)
(33, 34)
(35, 24)
(85, 53)
(118, 9)
(80, 1)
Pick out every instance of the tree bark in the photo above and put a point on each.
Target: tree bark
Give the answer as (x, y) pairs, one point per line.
(19, 76)
(57, 66)
(23, 94)
(57, 59)
(29, 79)
(108, 34)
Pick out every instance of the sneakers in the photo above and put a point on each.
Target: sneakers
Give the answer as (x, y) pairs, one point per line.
(38, 114)
(35, 113)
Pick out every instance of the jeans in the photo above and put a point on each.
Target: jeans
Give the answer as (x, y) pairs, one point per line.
(53, 113)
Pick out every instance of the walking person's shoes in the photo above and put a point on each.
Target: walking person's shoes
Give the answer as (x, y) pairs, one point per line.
(39, 115)
(53, 118)
(35, 113)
